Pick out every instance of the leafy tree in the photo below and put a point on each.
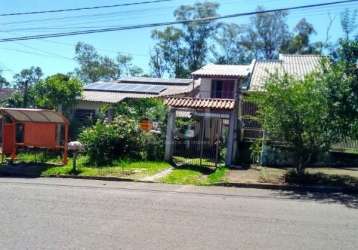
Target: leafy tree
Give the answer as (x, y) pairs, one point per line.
(180, 51)
(126, 67)
(231, 49)
(341, 76)
(197, 34)
(300, 43)
(157, 62)
(348, 22)
(266, 34)
(170, 55)
(296, 112)
(95, 67)
(23, 82)
(57, 91)
(3, 81)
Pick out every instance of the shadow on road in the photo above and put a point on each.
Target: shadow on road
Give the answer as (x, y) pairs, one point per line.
(348, 200)
(25, 170)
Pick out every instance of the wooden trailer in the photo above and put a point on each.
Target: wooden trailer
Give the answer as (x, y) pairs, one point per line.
(33, 128)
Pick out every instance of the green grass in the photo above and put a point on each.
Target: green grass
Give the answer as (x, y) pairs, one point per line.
(194, 161)
(218, 176)
(43, 165)
(195, 175)
(38, 157)
(132, 169)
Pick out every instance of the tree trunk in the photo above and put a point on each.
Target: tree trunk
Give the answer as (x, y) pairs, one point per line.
(300, 168)
(26, 90)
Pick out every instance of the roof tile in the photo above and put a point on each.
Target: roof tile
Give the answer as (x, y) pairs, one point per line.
(212, 103)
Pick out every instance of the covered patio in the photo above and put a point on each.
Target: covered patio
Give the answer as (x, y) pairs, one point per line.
(33, 128)
(212, 132)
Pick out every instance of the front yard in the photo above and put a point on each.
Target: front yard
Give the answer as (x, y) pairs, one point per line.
(37, 165)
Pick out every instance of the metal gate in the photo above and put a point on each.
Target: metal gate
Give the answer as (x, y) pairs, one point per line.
(200, 140)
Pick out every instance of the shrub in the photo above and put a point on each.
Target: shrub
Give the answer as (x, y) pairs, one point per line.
(105, 142)
(152, 147)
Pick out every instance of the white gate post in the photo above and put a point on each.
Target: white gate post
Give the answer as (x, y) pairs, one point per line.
(169, 141)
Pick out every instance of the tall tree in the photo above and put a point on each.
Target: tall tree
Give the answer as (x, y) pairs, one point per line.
(180, 51)
(296, 112)
(157, 62)
(3, 81)
(24, 80)
(266, 34)
(341, 76)
(348, 22)
(56, 91)
(169, 54)
(231, 49)
(300, 43)
(197, 34)
(126, 66)
(95, 67)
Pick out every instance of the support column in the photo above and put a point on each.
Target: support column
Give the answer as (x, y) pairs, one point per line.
(13, 153)
(65, 145)
(233, 126)
(169, 141)
(230, 155)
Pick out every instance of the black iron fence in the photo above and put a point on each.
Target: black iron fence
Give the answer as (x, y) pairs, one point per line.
(200, 141)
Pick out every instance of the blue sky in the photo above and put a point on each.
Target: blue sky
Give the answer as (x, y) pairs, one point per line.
(56, 54)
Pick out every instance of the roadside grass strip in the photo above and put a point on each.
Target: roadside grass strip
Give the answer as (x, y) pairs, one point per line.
(195, 175)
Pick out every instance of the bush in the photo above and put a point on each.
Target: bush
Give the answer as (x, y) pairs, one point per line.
(152, 147)
(105, 142)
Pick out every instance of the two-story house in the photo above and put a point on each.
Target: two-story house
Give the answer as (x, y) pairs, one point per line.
(221, 103)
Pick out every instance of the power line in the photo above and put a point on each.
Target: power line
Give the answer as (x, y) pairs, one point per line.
(152, 25)
(73, 25)
(83, 8)
(34, 53)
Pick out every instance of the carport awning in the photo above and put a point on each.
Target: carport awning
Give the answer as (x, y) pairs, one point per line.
(34, 115)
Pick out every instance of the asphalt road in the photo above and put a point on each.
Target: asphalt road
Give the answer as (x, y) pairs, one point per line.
(80, 214)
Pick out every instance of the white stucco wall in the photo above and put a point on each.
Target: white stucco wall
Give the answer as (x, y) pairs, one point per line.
(88, 105)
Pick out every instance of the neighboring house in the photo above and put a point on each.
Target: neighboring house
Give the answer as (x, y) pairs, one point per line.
(112, 92)
(220, 100)
(295, 65)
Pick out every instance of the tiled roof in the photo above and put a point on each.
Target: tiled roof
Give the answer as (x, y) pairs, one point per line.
(216, 70)
(296, 65)
(201, 103)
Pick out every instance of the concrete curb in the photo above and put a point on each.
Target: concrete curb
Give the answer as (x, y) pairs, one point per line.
(303, 188)
(323, 189)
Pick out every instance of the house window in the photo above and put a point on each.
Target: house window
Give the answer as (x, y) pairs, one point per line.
(223, 89)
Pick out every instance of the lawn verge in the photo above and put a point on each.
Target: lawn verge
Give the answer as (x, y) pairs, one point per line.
(196, 175)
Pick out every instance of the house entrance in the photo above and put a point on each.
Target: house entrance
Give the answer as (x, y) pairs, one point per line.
(200, 138)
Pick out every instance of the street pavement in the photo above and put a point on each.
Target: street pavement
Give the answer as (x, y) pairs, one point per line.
(82, 214)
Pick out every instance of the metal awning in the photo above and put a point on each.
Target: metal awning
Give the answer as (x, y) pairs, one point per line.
(34, 115)
(201, 103)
